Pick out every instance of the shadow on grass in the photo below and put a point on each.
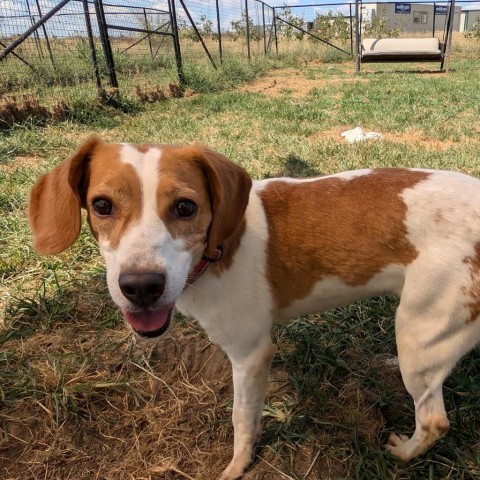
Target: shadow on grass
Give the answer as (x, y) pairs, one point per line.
(295, 166)
(410, 72)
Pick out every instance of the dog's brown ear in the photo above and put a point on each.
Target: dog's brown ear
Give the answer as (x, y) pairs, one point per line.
(55, 203)
(230, 187)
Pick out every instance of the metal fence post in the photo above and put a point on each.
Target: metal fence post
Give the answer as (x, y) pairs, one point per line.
(275, 29)
(176, 42)
(91, 43)
(264, 32)
(107, 48)
(357, 38)
(47, 40)
(448, 46)
(35, 35)
(351, 28)
(147, 27)
(219, 30)
(247, 29)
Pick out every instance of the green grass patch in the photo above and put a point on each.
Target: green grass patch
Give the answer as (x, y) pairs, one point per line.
(78, 397)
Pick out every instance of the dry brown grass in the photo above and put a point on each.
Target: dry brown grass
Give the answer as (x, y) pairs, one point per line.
(155, 410)
(15, 109)
(113, 417)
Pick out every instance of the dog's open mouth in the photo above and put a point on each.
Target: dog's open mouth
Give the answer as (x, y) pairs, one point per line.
(149, 323)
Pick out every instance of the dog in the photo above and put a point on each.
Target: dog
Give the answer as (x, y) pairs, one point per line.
(185, 227)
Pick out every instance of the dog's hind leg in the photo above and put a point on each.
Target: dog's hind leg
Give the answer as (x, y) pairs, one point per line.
(250, 373)
(429, 345)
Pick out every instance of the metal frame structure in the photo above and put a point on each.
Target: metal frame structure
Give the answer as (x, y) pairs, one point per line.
(103, 34)
(101, 23)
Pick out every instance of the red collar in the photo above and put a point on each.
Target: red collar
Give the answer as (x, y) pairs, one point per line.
(201, 267)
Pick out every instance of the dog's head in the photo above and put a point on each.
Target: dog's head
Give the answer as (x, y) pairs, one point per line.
(154, 210)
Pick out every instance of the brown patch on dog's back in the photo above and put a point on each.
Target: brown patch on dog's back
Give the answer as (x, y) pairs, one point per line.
(334, 227)
(474, 290)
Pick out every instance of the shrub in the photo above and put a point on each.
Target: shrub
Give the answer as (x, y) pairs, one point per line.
(331, 27)
(379, 28)
(475, 31)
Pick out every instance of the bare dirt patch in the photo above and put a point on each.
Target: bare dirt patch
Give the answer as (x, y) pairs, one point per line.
(415, 139)
(293, 82)
(20, 162)
(420, 139)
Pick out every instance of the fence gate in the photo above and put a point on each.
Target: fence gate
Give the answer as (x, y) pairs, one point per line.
(138, 40)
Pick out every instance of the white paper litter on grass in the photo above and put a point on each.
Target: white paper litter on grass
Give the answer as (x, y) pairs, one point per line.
(359, 135)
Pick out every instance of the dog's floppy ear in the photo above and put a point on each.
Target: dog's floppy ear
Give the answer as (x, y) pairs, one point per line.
(230, 187)
(55, 203)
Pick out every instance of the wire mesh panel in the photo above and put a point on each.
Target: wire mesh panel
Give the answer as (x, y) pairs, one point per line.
(224, 28)
(258, 26)
(76, 49)
(322, 26)
(141, 41)
(235, 21)
(198, 30)
(56, 53)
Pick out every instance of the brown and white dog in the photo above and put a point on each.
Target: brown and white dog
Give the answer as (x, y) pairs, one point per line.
(289, 247)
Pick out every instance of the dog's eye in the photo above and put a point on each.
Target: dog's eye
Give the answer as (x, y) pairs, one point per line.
(102, 206)
(186, 208)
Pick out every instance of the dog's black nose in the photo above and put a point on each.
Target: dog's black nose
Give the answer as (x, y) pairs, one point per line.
(142, 289)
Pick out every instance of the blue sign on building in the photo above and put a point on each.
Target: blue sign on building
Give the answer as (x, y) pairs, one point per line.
(403, 8)
(441, 9)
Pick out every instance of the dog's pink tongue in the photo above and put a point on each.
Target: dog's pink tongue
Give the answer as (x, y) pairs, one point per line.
(148, 320)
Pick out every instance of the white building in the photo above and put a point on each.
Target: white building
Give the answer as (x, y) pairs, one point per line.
(411, 17)
(468, 19)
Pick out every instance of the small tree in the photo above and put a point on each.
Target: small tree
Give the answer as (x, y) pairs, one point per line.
(475, 31)
(329, 27)
(342, 28)
(289, 31)
(206, 26)
(379, 28)
(240, 28)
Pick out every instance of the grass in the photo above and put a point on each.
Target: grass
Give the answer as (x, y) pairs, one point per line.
(80, 399)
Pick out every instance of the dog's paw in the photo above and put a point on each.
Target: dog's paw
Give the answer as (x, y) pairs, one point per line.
(391, 361)
(236, 469)
(231, 474)
(398, 445)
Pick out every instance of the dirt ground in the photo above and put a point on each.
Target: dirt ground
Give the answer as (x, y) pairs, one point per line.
(154, 410)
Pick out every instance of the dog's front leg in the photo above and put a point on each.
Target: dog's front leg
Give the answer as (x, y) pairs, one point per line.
(250, 372)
